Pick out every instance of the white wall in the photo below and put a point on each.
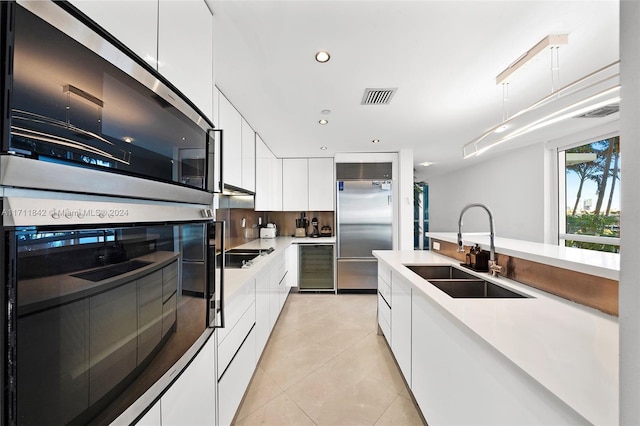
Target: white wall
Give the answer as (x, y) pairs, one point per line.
(510, 184)
(629, 291)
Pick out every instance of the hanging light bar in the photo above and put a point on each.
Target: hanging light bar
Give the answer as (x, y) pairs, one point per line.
(595, 90)
(549, 41)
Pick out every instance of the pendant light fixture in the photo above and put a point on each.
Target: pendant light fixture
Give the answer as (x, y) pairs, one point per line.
(598, 89)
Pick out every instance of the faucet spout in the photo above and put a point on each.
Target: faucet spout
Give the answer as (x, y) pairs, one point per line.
(493, 267)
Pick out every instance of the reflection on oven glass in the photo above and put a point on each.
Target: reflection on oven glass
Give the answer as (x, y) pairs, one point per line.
(95, 115)
(102, 315)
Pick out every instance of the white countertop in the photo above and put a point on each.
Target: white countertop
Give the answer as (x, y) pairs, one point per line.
(569, 349)
(592, 262)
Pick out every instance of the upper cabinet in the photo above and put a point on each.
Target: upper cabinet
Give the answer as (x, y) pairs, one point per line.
(295, 184)
(248, 157)
(322, 184)
(307, 184)
(268, 178)
(230, 121)
(174, 37)
(185, 50)
(134, 23)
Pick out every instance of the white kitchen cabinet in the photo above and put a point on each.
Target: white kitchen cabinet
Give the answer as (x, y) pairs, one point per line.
(185, 50)
(277, 272)
(191, 398)
(230, 122)
(268, 178)
(263, 323)
(292, 266)
(295, 184)
(458, 378)
(234, 381)
(134, 23)
(307, 184)
(401, 324)
(321, 184)
(248, 157)
(384, 300)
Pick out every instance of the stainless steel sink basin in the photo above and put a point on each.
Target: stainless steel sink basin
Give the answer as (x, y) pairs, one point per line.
(474, 289)
(439, 272)
(459, 284)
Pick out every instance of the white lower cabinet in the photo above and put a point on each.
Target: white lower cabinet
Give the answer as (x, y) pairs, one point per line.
(457, 378)
(263, 326)
(211, 388)
(236, 378)
(401, 324)
(384, 317)
(191, 398)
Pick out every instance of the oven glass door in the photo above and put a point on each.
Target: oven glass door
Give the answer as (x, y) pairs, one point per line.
(101, 314)
(70, 105)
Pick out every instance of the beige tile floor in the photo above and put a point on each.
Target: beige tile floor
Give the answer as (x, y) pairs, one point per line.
(325, 365)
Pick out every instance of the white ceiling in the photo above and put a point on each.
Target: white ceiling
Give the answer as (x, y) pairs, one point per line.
(443, 56)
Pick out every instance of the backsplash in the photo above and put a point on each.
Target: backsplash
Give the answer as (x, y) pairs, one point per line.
(285, 223)
(589, 290)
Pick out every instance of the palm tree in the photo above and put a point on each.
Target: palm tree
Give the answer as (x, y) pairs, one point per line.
(584, 170)
(615, 172)
(604, 165)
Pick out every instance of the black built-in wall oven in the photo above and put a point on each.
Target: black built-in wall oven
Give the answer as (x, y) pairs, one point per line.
(108, 178)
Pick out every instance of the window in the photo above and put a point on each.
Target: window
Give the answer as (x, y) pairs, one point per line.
(589, 188)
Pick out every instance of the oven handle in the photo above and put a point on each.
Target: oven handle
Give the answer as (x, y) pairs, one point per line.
(214, 163)
(215, 287)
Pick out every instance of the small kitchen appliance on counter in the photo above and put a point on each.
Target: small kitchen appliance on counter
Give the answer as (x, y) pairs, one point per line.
(301, 226)
(315, 233)
(325, 231)
(269, 231)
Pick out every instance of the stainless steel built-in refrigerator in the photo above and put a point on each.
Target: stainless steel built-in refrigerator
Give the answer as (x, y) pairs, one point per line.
(364, 223)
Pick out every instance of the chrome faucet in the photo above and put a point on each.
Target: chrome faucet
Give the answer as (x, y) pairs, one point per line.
(494, 268)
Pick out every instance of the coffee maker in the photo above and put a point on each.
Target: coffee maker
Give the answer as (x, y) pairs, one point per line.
(315, 233)
(301, 225)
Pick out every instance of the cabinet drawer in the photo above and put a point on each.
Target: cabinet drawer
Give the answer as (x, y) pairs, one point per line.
(384, 272)
(236, 307)
(234, 338)
(384, 317)
(278, 269)
(385, 290)
(234, 382)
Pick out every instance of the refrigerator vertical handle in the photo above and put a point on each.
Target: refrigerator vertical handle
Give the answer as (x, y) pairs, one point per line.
(389, 201)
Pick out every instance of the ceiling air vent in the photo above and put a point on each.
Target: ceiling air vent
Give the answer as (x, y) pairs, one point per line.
(601, 112)
(378, 96)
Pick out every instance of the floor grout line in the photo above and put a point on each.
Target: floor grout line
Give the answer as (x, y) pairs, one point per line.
(337, 306)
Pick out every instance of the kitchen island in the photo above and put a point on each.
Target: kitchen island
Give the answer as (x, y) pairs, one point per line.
(534, 360)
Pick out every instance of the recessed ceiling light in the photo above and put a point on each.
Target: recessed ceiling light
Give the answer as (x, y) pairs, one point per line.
(323, 56)
(324, 148)
(426, 164)
(500, 129)
(323, 121)
(375, 141)
(325, 111)
(128, 139)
